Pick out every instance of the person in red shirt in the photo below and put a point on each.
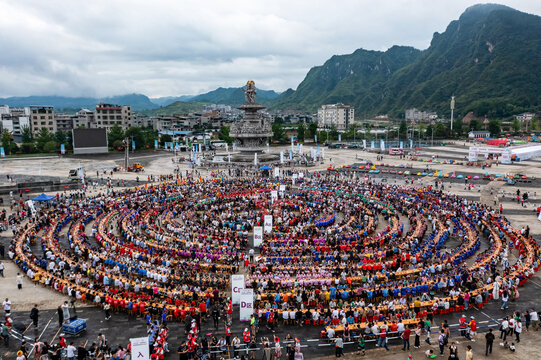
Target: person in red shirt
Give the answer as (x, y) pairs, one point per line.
(246, 336)
(406, 338)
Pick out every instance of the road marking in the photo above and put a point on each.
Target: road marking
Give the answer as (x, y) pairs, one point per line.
(54, 337)
(535, 283)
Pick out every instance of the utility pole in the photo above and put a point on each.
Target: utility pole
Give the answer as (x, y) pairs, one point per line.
(126, 153)
(452, 111)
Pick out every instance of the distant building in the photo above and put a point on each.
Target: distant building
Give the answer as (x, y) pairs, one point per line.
(84, 118)
(479, 134)
(14, 119)
(108, 115)
(525, 117)
(418, 116)
(338, 115)
(42, 117)
(64, 122)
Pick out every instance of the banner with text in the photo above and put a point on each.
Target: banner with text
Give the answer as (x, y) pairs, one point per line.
(237, 284)
(140, 349)
(258, 235)
(246, 304)
(267, 221)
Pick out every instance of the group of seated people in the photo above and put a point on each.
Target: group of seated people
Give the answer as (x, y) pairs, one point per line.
(340, 252)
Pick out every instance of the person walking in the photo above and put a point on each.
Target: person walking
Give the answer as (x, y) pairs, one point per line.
(19, 281)
(505, 299)
(453, 352)
(534, 319)
(441, 341)
(339, 346)
(469, 353)
(418, 332)
(4, 331)
(518, 330)
(1, 269)
(489, 341)
(406, 338)
(504, 327)
(34, 315)
(60, 315)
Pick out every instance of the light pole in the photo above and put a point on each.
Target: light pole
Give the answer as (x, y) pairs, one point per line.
(452, 111)
(432, 123)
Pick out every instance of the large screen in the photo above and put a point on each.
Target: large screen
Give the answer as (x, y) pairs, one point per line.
(87, 138)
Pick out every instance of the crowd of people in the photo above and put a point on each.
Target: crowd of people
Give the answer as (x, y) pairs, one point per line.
(355, 257)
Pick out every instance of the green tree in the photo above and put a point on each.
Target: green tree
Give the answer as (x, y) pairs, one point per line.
(60, 137)
(323, 136)
(165, 138)
(403, 130)
(7, 141)
(115, 133)
(135, 133)
(278, 120)
(458, 128)
(515, 125)
(440, 130)
(534, 124)
(494, 127)
(333, 133)
(224, 135)
(475, 125)
(27, 136)
(50, 146)
(43, 137)
(278, 133)
(301, 129)
(312, 130)
(149, 135)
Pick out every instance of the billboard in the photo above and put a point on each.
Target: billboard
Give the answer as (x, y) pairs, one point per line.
(89, 141)
(246, 304)
(237, 284)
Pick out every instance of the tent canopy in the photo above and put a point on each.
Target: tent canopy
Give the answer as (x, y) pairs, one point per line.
(265, 167)
(43, 197)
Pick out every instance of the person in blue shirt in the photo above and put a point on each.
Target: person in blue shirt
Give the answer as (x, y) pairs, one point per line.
(332, 290)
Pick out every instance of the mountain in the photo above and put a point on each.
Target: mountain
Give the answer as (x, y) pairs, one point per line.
(356, 78)
(488, 58)
(137, 101)
(166, 100)
(234, 96)
(178, 107)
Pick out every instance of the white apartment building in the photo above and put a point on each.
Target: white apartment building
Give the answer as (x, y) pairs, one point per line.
(108, 115)
(338, 115)
(418, 115)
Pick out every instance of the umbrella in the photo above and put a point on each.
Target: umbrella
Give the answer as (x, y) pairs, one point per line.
(469, 176)
(407, 172)
(476, 177)
(265, 167)
(423, 174)
(459, 176)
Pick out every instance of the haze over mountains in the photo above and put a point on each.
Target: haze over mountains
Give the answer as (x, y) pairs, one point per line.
(490, 59)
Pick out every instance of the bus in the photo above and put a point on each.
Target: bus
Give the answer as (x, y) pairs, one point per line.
(218, 144)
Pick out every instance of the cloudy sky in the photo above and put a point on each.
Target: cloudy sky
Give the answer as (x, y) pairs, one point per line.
(169, 48)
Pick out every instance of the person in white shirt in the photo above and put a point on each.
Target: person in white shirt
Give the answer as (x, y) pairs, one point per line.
(518, 330)
(71, 351)
(400, 327)
(534, 319)
(7, 306)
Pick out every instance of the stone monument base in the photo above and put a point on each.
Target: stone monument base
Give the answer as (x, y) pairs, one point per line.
(262, 158)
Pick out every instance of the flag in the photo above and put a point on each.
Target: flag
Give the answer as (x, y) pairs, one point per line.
(339, 137)
(155, 144)
(2, 152)
(62, 149)
(133, 144)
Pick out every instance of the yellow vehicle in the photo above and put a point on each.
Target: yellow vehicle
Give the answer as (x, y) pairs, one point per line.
(135, 167)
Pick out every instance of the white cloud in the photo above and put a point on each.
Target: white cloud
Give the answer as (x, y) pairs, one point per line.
(160, 48)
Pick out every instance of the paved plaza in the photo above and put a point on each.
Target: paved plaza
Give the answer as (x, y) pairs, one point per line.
(121, 327)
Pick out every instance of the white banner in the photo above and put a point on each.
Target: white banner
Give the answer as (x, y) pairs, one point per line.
(281, 157)
(472, 156)
(139, 348)
(267, 222)
(237, 284)
(282, 188)
(246, 304)
(274, 195)
(258, 235)
(276, 172)
(301, 175)
(364, 144)
(293, 179)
